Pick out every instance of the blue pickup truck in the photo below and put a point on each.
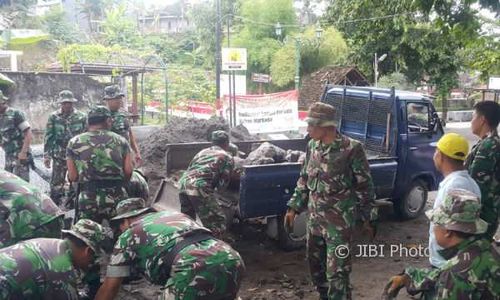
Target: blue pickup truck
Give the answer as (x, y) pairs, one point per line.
(398, 129)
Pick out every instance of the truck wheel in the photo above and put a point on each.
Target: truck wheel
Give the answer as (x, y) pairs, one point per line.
(413, 203)
(289, 241)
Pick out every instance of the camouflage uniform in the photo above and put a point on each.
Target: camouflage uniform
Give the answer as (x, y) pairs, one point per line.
(59, 130)
(208, 269)
(333, 179)
(483, 164)
(43, 268)
(99, 156)
(13, 123)
(210, 169)
(473, 267)
(121, 124)
(137, 187)
(25, 212)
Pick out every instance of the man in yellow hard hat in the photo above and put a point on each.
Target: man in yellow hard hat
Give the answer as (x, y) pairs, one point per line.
(451, 151)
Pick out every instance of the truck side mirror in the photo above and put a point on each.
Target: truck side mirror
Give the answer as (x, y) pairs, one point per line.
(435, 122)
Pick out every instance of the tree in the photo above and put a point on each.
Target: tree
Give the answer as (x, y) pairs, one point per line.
(55, 23)
(397, 80)
(330, 49)
(118, 29)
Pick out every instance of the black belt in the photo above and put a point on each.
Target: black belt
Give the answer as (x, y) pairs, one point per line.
(101, 184)
(189, 238)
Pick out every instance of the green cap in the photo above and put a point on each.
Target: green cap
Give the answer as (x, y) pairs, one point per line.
(459, 212)
(112, 92)
(91, 233)
(321, 114)
(3, 99)
(99, 111)
(66, 96)
(130, 207)
(220, 136)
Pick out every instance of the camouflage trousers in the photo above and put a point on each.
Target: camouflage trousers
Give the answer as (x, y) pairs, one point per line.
(14, 166)
(11, 234)
(206, 270)
(329, 261)
(99, 204)
(207, 208)
(58, 179)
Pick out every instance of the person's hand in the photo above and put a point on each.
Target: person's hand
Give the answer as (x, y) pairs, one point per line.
(289, 219)
(46, 162)
(395, 284)
(138, 160)
(22, 156)
(369, 229)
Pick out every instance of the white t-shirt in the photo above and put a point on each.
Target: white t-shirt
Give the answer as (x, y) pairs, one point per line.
(454, 180)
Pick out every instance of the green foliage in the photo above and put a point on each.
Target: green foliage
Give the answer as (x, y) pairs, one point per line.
(330, 49)
(483, 56)
(397, 80)
(56, 25)
(118, 29)
(18, 14)
(75, 53)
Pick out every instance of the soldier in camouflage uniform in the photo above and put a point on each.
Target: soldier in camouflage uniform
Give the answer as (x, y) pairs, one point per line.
(99, 160)
(62, 126)
(114, 100)
(49, 268)
(483, 161)
(210, 169)
(473, 267)
(25, 212)
(138, 187)
(334, 179)
(15, 139)
(173, 251)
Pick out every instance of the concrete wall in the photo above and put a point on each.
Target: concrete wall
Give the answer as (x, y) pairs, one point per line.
(36, 93)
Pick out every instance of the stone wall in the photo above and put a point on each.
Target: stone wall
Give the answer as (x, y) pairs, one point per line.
(36, 93)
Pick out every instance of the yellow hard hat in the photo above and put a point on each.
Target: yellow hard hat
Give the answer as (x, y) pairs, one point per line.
(453, 145)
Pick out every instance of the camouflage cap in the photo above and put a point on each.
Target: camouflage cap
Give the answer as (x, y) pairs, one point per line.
(321, 114)
(3, 99)
(91, 233)
(459, 212)
(130, 207)
(66, 96)
(220, 136)
(99, 111)
(112, 92)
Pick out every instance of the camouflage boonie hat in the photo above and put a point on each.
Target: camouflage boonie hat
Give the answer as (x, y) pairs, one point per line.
(3, 99)
(99, 111)
(66, 96)
(321, 114)
(112, 92)
(459, 212)
(130, 207)
(220, 136)
(91, 233)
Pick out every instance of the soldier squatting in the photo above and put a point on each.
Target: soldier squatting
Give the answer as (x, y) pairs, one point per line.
(97, 152)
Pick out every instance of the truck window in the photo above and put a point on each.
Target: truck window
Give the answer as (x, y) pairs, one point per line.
(418, 117)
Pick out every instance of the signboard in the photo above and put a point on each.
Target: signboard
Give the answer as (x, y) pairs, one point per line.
(266, 113)
(234, 59)
(261, 78)
(494, 83)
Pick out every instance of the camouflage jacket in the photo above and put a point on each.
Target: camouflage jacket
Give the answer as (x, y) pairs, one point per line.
(60, 129)
(334, 178)
(24, 211)
(98, 155)
(471, 272)
(137, 187)
(121, 124)
(12, 126)
(146, 242)
(38, 269)
(483, 164)
(211, 168)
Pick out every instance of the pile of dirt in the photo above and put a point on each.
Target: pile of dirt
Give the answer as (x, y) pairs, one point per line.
(182, 130)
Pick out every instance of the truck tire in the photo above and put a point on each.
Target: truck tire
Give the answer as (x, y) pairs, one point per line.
(414, 200)
(290, 241)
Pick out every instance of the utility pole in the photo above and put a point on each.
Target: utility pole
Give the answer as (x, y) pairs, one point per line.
(218, 57)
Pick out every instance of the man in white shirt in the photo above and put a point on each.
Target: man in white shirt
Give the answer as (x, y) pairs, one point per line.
(451, 151)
